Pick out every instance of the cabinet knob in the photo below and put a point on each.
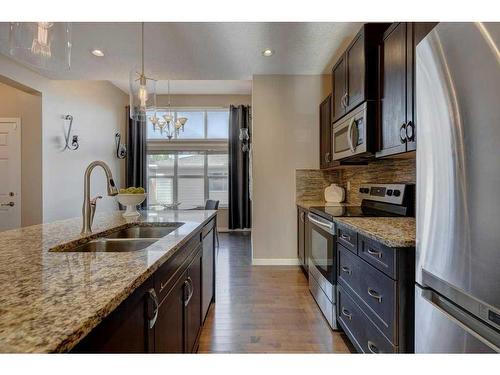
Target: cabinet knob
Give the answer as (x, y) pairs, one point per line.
(10, 204)
(402, 133)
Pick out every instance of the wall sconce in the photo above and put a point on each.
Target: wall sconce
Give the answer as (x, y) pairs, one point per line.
(67, 135)
(245, 139)
(121, 148)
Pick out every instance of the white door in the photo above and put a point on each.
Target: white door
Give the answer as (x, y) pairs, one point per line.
(10, 173)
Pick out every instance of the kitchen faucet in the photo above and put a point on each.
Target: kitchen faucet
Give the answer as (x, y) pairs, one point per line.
(89, 205)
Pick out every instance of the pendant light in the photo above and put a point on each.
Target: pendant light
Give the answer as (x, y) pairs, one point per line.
(43, 45)
(142, 89)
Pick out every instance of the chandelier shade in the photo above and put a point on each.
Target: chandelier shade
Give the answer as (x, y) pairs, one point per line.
(43, 45)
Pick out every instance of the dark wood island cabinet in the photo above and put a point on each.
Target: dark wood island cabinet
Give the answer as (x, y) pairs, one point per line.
(166, 313)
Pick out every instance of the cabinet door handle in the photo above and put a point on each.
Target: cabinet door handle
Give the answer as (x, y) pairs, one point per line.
(374, 253)
(346, 313)
(189, 284)
(345, 237)
(372, 347)
(154, 298)
(328, 157)
(402, 133)
(373, 293)
(346, 269)
(10, 204)
(410, 131)
(346, 100)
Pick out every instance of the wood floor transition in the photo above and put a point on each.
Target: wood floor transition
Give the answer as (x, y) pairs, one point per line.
(264, 309)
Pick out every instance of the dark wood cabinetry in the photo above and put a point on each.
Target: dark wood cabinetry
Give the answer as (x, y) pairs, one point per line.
(375, 294)
(208, 269)
(127, 329)
(163, 315)
(355, 75)
(302, 239)
(397, 124)
(325, 134)
(193, 303)
(169, 325)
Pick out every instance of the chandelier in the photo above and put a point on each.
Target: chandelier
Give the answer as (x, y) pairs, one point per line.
(44, 45)
(142, 89)
(167, 124)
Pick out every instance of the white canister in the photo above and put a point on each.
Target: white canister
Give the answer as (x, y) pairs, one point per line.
(334, 194)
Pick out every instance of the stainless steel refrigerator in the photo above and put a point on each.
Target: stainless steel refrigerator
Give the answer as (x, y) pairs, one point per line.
(457, 293)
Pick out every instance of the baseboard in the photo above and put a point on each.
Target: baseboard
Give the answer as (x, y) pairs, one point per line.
(276, 262)
(227, 230)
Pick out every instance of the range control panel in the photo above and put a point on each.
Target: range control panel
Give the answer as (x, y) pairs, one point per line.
(388, 193)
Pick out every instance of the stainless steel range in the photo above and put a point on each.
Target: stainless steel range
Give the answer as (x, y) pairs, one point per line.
(379, 200)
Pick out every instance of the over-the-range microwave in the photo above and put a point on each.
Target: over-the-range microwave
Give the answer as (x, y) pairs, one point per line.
(353, 136)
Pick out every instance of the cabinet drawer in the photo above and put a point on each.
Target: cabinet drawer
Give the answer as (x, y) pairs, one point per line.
(169, 272)
(348, 238)
(362, 332)
(378, 255)
(376, 291)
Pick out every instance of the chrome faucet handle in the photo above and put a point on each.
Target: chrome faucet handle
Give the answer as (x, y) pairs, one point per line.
(93, 205)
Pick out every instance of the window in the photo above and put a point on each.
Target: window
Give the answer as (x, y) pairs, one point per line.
(192, 167)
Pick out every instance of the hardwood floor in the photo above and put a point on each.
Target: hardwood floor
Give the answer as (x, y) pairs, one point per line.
(263, 309)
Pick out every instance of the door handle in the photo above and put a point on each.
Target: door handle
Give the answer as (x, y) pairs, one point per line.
(10, 204)
(316, 221)
(154, 298)
(346, 269)
(346, 313)
(372, 347)
(373, 293)
(374, 253)
(189, 284)
(402, 133)
(410, 131)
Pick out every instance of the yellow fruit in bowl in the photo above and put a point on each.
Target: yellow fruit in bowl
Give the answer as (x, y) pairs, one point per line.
(133, 190)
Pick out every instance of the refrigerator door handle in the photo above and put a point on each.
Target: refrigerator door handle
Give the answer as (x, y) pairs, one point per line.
(489, 336)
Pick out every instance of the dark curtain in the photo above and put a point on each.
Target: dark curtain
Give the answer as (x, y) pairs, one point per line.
(239, 177)
(136, 154)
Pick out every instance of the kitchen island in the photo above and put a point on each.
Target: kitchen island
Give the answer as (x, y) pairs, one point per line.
(51, 300)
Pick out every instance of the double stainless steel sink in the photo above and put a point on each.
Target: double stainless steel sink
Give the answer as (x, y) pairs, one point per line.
(133, 238)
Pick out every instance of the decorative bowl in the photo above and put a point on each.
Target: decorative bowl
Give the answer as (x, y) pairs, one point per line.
(131, 201)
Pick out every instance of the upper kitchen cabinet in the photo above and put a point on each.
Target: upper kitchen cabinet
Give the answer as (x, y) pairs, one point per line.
(355, 75)
(397, 123)
(325, 133)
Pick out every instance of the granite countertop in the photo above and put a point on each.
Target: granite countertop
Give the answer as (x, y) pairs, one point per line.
(391, 231)
(50, 300)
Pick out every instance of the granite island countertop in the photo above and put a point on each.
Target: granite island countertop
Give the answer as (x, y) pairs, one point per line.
(50, 300)
(391, 231)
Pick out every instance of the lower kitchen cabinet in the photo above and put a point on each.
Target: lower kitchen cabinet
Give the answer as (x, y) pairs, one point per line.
(192, 303)
(164, 314)
(302, 239)
(375, 294)
(169, 326)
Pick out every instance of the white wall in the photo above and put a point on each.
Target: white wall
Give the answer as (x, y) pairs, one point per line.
(285, 111)
(98, 109)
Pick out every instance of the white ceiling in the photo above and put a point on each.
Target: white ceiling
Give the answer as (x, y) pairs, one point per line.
(199, 87)
(203, 52)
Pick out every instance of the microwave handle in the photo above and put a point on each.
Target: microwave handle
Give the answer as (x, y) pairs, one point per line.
(349, 135)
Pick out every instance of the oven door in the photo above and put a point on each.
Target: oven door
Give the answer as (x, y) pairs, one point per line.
(322, 253)
(349, 135)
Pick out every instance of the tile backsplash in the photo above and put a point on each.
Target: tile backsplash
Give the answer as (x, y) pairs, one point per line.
(310, 184)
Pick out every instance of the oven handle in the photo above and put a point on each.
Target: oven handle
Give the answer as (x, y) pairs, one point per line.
(312, 218)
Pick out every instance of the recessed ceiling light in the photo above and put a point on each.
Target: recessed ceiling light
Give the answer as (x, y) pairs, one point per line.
(97, 52)
(267, 52)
